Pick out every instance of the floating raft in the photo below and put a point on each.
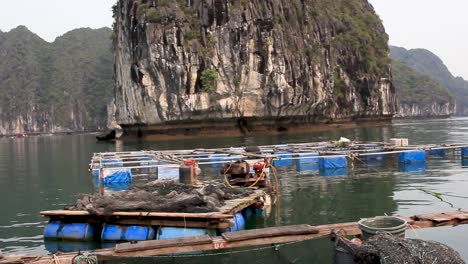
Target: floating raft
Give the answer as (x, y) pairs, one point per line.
(327, 158)
(217, 220)
(246, 238)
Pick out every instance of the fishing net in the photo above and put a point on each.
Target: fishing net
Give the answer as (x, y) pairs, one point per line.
(388, 249)
(161, 197)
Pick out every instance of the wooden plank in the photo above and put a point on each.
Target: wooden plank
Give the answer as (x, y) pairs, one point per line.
(214, 215)
(156, 244)
(194, 224)
(442, 217)
(270, 232)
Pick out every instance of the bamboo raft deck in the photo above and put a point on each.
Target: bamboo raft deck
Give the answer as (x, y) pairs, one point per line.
(174, 158)
(218, 219)
(245, 238)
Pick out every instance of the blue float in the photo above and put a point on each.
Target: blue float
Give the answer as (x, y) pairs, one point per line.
(69, 231)
(437, 152)
(464, 153)
(333, 162)
(283, 155)
(334, 172)
(415, 168)
(415, 156)
(309, 162)
(238, 221)
(127, 233)
(217, 158)
(375, 156)
(166, 232)
(465, 162)
(55, 246)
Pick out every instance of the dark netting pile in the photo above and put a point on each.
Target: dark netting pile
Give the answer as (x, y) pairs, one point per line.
(388, 249)
(161, 197)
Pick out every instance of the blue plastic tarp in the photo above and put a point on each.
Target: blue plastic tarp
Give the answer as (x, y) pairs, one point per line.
(117, 176)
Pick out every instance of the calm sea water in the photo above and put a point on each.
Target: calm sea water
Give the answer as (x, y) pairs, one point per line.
(47, 172)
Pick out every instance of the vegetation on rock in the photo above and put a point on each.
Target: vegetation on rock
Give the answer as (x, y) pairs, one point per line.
(425, 62)
(59, 86)
(416, 88)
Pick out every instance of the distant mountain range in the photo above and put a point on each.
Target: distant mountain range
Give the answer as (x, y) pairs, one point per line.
(55, 87)
(422, 79)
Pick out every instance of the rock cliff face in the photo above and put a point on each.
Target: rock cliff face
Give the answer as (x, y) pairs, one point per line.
(415, 110)
(276, 63)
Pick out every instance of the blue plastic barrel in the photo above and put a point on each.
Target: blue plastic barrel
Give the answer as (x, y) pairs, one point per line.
(436, 152)
(283, 155)
(464, 153)
(415, 156)
(218, 157)
(167, 232)
(127, 233)
(376, 156)
(238, 221)
(307, 162)
(69, 231)
(54, 246)
(333, 162)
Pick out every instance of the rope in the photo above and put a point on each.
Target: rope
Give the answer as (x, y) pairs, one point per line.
(85, 258)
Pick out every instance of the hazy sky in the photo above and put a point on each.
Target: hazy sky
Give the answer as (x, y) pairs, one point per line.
(439, 26)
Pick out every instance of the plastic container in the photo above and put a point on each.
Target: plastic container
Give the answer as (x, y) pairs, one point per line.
(127, 233)
(334, 162)
(166, 232)
(217, 158)
(464, 153)
(239, 222)
(69, 231)
(376, 156)
(55, 246)
(388, 224)
(436, 152)
(283, 155)
(412, 156)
